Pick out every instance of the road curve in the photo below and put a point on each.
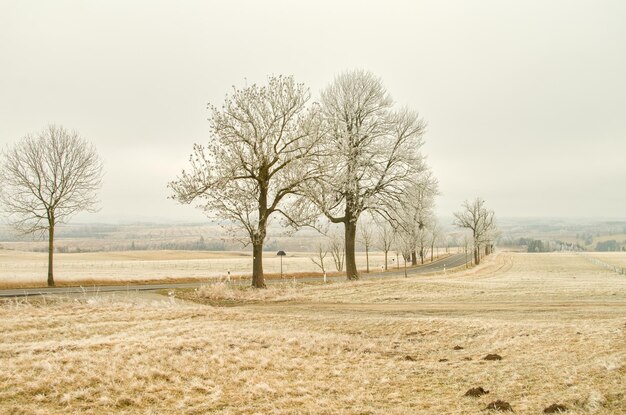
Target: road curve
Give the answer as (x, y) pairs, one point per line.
(452, 261)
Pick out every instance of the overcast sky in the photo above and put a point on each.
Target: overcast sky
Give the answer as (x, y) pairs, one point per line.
(525, 101)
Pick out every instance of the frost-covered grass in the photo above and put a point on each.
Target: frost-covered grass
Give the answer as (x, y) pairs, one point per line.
(379, 347)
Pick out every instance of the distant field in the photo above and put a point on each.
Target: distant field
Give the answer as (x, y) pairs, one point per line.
(17, 267)
(613, 258)
(398, 346)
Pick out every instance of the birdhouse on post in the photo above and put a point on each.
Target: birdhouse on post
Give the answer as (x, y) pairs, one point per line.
(281, 254)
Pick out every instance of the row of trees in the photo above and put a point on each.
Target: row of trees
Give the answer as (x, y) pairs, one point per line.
(273, 153)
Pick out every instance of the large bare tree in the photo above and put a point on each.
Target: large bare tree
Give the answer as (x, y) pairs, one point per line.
(262, 138)
(480, 221)
(45, 179)
(371, 154)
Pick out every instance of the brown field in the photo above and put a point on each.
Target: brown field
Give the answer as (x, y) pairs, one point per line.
(374, 347)
(19, 268)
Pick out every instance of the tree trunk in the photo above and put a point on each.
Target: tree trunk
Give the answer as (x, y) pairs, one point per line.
(413, 258)
(350, 234)
(477, 255)
(432, 252)
(258, 280)
(367, 259)
(51, 256)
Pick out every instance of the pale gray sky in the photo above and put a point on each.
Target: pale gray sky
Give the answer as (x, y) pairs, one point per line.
(525, 100)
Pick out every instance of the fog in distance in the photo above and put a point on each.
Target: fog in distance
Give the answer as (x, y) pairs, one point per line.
(526, 101)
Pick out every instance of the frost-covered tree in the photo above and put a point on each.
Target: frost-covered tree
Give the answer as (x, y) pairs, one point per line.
(45, 179)
(415, 214)
(262, 140)
(371, 154)
(480, 221)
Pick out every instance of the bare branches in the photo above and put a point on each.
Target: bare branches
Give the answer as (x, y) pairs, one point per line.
(320, 255)
(257, 162)
(370, 153)
(46, 179)
(337, 251)
(480, 221)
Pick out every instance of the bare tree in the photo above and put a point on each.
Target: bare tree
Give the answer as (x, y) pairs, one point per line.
(261, 141)
(421, 242)
(47, 178)
(405, 245)
(337, 251)
(435, 235)
(372, 153)
(385, 239)
(320, 254)
(415, 213)
(479, 220)
(366, 235)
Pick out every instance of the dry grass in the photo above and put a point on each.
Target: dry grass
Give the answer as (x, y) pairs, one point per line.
(384, 347)
(613, 258)
(23, 269)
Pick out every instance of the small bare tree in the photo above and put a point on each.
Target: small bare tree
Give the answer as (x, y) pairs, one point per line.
(46, 178)
(320, 254)
(337, 251)
(435, 235)
(366, 235)
(416, 212)
(405, 245)
(421, 242)
(385, 239)
(480, 221)
(258, 158)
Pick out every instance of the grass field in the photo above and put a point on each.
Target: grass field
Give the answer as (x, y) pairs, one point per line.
(613, 258)
(19, 268)
(401, 346)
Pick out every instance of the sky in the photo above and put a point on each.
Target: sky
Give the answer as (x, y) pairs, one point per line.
(525, 100)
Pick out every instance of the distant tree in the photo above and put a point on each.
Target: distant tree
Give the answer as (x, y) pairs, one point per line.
(536, 246)
(415, 213)
(435, 235)
(385, 239)
(371, 154)
(366, 235)
(262, 139)
(480, 221)
(45, 179)
(608, 246)
(422, 242)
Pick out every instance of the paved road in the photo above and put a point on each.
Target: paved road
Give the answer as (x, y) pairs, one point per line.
(452, 261)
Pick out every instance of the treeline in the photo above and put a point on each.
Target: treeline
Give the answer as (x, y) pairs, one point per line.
(611, 246)
(538, 245)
